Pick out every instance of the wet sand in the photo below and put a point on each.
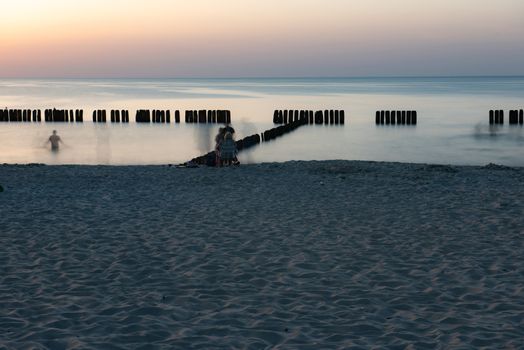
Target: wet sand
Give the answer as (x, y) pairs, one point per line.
(297, 255)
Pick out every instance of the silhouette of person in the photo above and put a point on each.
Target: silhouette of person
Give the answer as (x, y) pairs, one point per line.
(228, 150)
(55, 141)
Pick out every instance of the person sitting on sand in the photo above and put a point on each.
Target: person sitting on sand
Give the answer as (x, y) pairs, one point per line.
(55, 141)
(228, 150)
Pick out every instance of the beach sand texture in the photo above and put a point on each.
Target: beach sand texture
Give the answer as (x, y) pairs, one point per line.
(298, 255)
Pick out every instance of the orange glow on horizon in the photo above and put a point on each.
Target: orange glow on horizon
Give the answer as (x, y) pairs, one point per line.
(37, 37)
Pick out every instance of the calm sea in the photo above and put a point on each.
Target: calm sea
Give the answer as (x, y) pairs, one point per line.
(452, 125)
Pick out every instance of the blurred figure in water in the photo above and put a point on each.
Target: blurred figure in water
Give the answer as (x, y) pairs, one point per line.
(55, 141)
(228, 150)
(219, 140)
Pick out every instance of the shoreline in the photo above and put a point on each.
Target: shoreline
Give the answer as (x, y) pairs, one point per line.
(327, 162)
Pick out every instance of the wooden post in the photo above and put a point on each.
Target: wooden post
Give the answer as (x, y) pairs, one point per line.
(388, 117)
(491, 117)
(318, 117)
(202, 116)
(414, 117)
(377, 118)
(177, 116)
(393, 116)
(285, 116)
(337, 117)
(521, 117)
(408, 119)
(342, 117)
(326, 117)
(382, 117)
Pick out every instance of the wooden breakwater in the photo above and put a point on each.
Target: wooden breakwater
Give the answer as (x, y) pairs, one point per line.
(516, 117)
(496, 117)
(116, 116)
(156, 116)
(63, 116)
(208, 117)
(20, 115)
(252, 141)
(396, 118)
(326, 117)
(282, 130)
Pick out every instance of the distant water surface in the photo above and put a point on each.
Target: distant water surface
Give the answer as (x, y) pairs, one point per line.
(452, 128)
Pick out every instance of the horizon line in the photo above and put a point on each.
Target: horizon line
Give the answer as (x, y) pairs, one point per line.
(278, 77)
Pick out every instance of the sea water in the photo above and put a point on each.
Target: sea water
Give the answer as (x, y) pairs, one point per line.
(453, 125)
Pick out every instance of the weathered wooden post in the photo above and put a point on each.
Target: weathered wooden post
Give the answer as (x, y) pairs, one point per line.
(388, 117)
(414, 117)
(408, 118)
(521, 117)
(202, 116)
(285, 116)
(177, 116)
(491, 117)
(337, 117)
(382, 117)
(326, 117)
(393, 117)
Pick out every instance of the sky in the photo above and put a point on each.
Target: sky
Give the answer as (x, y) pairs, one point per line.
(260, 38)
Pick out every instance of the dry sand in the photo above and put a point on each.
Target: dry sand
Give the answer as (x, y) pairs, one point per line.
(298, 255)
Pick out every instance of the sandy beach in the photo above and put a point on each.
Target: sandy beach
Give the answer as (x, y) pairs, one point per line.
(296, 255)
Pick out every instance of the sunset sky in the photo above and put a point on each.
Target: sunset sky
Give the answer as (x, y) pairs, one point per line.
(260, 38)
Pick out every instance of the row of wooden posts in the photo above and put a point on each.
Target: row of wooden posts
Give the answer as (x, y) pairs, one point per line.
(515, 117)
(116, 116)
(327, 117)
(396, 118)
(208, 117)
(273, 133)
(20, 115)
(156, 116)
